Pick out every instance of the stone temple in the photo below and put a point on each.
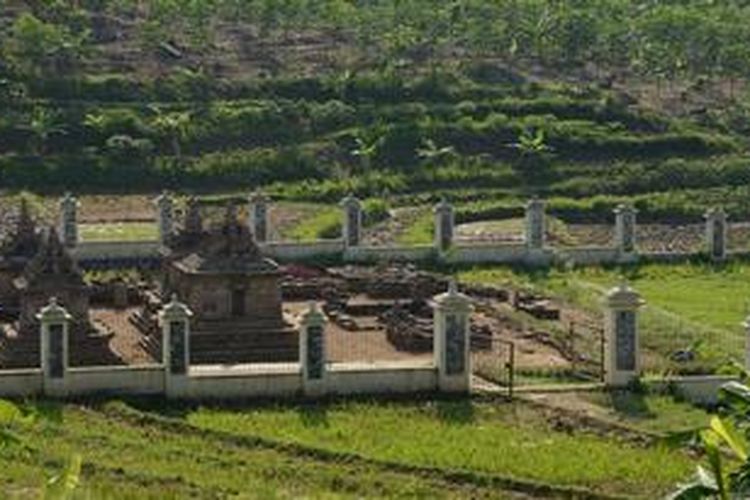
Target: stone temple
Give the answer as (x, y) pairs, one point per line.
(29, 284)
(15, 253)
(233, 291)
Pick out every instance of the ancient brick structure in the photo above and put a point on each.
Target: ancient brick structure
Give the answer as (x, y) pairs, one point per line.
(234, 293)
(15, 253)
(52, 273)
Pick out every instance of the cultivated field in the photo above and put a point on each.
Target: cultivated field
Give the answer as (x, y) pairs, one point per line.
(574, 445)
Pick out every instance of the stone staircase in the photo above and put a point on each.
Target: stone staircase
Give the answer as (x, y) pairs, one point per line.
(243, 341)
(151, 339)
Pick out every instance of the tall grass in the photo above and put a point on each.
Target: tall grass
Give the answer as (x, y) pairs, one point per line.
(508, 440)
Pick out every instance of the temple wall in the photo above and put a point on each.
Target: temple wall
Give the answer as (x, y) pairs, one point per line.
(465, 253)
(17, 383)
(243, 381)
(343, 379)
(588, 255)
(302, 250)
(389, 253)
(699, 389)
(113, 250)
(145, 379)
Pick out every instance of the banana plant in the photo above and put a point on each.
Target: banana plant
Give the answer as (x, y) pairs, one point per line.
(726, 474)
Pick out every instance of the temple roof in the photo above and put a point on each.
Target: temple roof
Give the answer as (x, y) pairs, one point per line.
(52, 266)
(24, 240)
(229, 248)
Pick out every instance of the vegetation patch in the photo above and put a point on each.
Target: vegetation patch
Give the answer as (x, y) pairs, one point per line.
(118, 231)
(506, 439)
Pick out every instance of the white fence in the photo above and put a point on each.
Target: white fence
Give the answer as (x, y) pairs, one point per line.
(446, 248)
(220, 382)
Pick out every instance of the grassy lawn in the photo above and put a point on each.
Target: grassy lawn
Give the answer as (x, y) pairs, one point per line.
(693, 307)
(124, 459)
(420, 232)
(318, 222)
(660, 413)
(505, 439)
(118, 231)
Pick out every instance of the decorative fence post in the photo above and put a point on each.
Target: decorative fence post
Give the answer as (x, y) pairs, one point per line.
(622, 350)
(193, 219)
(69, 220)
(312, 350)
(451, 340)
(352, 227)
(535, 224)
(175, 324)
(625, 235)
(716, 233)
(54, 323)
(164, 217)
(258, 216)
(444, 224)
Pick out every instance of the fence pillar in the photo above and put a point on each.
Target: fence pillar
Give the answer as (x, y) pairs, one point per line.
(352, 227)
(164, 217)
(312, 350)
(193, 223)
(451, 340)
(54, 323)
(258, 216)
(535, 224)
(622, 350)
(174, 319)
(445, 221)
(746, 324)
(716, 233)
(625, 231)
(69, 220)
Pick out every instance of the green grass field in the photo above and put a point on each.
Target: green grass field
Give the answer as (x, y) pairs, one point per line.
(317, 222)
(130, 458)
(500, 439)
(118, 231)
(421, 449)
(657, 413)
(698, 307)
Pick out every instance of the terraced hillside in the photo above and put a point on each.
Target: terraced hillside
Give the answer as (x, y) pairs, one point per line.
(316, 106)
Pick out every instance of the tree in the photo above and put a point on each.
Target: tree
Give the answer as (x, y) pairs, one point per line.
(175, 126)
(534, 154)
(37, 49)
(433, 155)
(42, 125)
(367, 147)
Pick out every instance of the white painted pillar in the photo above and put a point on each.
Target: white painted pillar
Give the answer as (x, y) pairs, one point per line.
(258, 216)
(625, 230)
(69, 220)
(352, 226)
(451, 312)
(445, 221)
(174, 320)
(164, 217)
(622, 350)
(54, 325)
(312, 350)
(535, 224)
(716, 233)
